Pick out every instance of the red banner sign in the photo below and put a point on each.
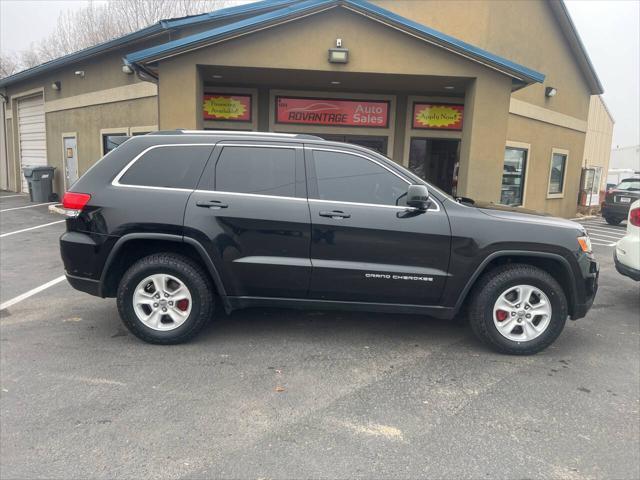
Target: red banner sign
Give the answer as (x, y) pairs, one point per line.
(332, 112)
(226, 108)
(437, 116)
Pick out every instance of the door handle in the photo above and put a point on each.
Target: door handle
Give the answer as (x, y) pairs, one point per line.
(337, 214)
(211, 204)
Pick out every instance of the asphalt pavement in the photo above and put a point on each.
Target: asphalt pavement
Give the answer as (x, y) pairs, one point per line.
(269, 393)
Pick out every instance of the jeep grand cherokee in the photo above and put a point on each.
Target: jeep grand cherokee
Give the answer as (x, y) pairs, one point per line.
(170, 221)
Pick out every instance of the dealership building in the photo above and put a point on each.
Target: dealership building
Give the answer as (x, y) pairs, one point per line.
(485, 99)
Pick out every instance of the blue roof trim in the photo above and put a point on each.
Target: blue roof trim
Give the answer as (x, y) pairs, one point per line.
(363, 6)
(227, 12)
(446, 39)
(222, 31)
(159, 27)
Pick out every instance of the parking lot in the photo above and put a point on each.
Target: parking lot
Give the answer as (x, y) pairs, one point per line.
(288, 394)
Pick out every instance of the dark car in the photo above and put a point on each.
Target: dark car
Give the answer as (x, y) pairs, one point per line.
(168, 222)
(617, 201)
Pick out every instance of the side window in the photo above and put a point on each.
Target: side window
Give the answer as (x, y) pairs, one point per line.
(260, 170)
(171, 167)
(349, 178)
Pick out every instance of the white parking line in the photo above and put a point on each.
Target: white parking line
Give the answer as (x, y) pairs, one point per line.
(602, 244)
(27, 206)
(31, 292)
(12, 196)
(606, 233)
(30, 228)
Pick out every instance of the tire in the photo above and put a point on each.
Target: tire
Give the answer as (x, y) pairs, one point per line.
(177, 270)
(514, 279)
(612, 220)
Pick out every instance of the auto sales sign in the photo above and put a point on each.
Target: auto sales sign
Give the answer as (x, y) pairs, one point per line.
(332, 112)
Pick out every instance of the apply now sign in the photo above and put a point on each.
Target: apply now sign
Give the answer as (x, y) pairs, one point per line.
(225, 107)
(332, 112)
(437, 116)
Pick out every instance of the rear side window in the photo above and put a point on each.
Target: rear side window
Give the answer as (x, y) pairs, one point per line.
(170, 167)
(259, 170)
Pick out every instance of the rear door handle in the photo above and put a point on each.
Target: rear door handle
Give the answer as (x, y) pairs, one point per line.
(211, 204)
(337, 214)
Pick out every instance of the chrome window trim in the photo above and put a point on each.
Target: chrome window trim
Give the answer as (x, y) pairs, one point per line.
(395, 207)
(257, 195)
(116, 180)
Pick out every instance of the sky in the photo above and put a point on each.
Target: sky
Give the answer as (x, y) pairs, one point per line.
(610, 30)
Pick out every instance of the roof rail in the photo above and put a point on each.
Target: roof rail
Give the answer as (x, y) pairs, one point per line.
(243, 133)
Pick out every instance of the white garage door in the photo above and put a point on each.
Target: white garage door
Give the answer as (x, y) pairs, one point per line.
(31, 128)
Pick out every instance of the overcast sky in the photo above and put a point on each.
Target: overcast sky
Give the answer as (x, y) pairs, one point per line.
(610, 29)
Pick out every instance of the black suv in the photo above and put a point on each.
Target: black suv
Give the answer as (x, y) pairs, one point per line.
(169, 221)
(615, 207)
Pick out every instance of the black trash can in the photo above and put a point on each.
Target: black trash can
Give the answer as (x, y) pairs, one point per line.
(40, 180)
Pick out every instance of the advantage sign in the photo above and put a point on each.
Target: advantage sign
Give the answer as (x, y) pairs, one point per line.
(332, 112)
(225, 107)
(437, 116)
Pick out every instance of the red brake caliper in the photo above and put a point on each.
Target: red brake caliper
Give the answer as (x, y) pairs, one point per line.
(182, 304)
(501, 315)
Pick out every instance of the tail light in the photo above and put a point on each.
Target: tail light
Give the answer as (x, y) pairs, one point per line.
(75, 201)
(634, 217)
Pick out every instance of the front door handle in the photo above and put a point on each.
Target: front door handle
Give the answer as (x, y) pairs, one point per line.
(337, 214)
(211, 204)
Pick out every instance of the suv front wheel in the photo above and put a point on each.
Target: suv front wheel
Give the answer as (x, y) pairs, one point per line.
(165, 298)
(518, 309)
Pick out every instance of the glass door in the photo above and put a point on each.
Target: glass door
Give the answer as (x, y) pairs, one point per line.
(435, 160)
(513, 171)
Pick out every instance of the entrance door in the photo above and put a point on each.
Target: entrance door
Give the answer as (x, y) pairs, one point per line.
(70, 155)
(434, 159)
(379, 144)
(31, 134)
(365, 245)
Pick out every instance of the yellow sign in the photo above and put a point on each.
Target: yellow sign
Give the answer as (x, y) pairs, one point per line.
(217, 107)
(447, 117)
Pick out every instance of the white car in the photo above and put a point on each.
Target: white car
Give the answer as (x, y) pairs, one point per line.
(627, 253)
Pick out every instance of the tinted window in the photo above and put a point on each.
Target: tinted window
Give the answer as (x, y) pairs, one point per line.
(264, 171)
(350, 178)
(174, 167)
(556, 180)
(112, 140)
(515, 164)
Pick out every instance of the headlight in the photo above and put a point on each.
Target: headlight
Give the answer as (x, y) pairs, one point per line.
(585, 243)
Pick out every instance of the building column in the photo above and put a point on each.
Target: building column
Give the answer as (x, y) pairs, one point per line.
(180, 90)
(484, 135)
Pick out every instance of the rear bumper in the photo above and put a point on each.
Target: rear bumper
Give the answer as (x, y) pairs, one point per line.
(83, 258)
(616, 210)
(626, 270)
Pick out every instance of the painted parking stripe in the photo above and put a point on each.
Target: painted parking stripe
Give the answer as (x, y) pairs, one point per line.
(12, 196)
(605, 232)
(602, 244)
(26, 206)
(31, 292)
(29, 229)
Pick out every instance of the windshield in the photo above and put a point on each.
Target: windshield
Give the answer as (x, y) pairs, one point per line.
(629, 185)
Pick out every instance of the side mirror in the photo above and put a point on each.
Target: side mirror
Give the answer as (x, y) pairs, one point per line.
(418, 197)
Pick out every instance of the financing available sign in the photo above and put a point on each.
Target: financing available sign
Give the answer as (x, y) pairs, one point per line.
(437, 116)
(227, 108)
(332, 112)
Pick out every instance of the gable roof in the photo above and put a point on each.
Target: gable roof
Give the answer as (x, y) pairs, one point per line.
(146, 33)
(302, 8)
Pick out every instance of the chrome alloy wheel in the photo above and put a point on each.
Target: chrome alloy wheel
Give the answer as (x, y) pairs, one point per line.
(522, 313)
(162, 302)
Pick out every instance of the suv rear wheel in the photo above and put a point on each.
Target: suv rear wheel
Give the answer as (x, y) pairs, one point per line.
(165, 298)
(518, 309)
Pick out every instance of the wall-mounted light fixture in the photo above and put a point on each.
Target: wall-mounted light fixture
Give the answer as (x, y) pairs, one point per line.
(55, 85)
(338, 54)
(79, 73)
(127, 69)
(550, 92)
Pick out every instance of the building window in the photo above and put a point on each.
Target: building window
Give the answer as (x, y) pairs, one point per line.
(557, 173)
(513, 172)
(111, 141)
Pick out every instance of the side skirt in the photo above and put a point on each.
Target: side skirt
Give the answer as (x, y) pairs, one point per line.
(311, 304)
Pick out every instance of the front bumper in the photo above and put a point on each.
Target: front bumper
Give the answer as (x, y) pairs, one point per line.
(626, 270)
(590, 277)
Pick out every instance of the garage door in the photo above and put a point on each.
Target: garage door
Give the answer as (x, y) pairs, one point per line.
(31, 129)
